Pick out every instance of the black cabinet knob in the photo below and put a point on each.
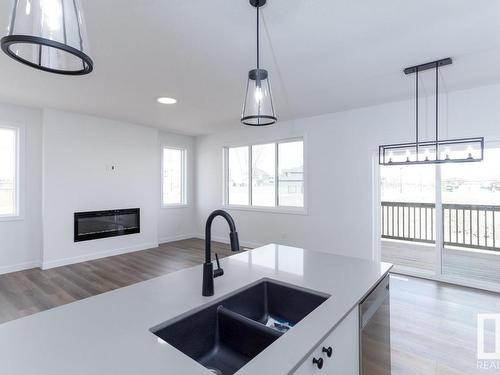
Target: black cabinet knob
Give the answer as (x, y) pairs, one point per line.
(318, 362)
(328, 351)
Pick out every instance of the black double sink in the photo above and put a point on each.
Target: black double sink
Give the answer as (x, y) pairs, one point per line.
(227, 334)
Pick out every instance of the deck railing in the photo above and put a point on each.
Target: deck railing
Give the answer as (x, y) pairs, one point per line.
(408, 221)
(472, 226)
(463, 225)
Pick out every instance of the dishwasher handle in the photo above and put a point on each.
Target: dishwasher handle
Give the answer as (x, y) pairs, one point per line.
(373, 301)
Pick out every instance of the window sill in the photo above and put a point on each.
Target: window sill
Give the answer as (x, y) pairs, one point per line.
(273, 210)
(11, 218)
(180, 205)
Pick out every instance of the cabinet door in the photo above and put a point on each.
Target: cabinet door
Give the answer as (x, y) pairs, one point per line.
(344, 341)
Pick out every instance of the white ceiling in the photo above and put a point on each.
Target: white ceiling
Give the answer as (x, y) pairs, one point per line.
(331, 55)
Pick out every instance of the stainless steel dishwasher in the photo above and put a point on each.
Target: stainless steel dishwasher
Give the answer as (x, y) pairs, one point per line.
(375, 331)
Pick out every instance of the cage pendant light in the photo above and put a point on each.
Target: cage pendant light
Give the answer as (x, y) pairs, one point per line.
(437, 150)
(49, 35)
(258, 108)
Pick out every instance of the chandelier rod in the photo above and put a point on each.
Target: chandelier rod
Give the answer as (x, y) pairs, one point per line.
(416, 111)
(437, 110)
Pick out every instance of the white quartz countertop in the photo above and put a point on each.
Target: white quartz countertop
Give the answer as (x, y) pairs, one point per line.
(110, 333)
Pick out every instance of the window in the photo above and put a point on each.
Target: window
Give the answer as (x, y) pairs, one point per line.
(266, 175)
(263, 171)
(174, 176)
(291, 174)
(238, 176)
(9, 161)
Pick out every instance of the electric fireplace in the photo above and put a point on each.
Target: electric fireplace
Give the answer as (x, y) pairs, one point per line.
(101, 224)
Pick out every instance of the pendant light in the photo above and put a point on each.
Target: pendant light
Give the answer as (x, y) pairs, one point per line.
(49, 35)
(434, 151)
(258, 109)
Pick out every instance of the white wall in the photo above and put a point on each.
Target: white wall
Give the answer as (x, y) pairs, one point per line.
(340, 167)
(20, 240)
(177, 223)
(77, 153)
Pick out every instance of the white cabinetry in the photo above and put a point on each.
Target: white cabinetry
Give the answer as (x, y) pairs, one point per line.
(344, 341)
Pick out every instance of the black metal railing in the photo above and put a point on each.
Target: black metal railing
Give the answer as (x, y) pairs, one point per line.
(463, 225)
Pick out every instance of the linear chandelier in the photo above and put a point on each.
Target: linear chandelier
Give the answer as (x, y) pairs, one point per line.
(258, 108)
(49, 35)
(434, 151)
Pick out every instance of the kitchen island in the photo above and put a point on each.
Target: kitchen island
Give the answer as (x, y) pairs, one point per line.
(111, 333)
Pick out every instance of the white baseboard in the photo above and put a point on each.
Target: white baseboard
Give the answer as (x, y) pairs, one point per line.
(226, 240)
(178, 237)
(19, 267)
(44, 265)
(102, 254)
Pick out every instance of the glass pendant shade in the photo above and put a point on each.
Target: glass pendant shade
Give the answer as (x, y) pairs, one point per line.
(258, 109)
(49, 35)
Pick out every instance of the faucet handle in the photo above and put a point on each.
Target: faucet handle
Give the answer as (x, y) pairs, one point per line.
(219, 271)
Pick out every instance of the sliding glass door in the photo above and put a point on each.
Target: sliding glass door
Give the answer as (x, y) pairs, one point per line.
(408, 196)
(443, 220)
(471, 219)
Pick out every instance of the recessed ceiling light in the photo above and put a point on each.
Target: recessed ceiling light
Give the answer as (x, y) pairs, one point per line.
(166, 100)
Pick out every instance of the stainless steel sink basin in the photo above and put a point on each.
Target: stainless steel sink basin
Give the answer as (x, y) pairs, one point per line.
(227, 334)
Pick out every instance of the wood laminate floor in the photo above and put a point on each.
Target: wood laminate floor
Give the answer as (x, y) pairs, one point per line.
(31, 291)
(433, 325)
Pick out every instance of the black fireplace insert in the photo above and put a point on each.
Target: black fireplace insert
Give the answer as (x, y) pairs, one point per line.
(102, 224)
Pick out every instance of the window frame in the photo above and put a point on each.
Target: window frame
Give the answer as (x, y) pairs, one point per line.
(271, 209)
(184, 195)
(19, 172)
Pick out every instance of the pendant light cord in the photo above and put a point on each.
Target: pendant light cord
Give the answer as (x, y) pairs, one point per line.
(258, 37)
(284, 92)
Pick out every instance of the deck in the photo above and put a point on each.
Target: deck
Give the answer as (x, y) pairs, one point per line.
(464, 263)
